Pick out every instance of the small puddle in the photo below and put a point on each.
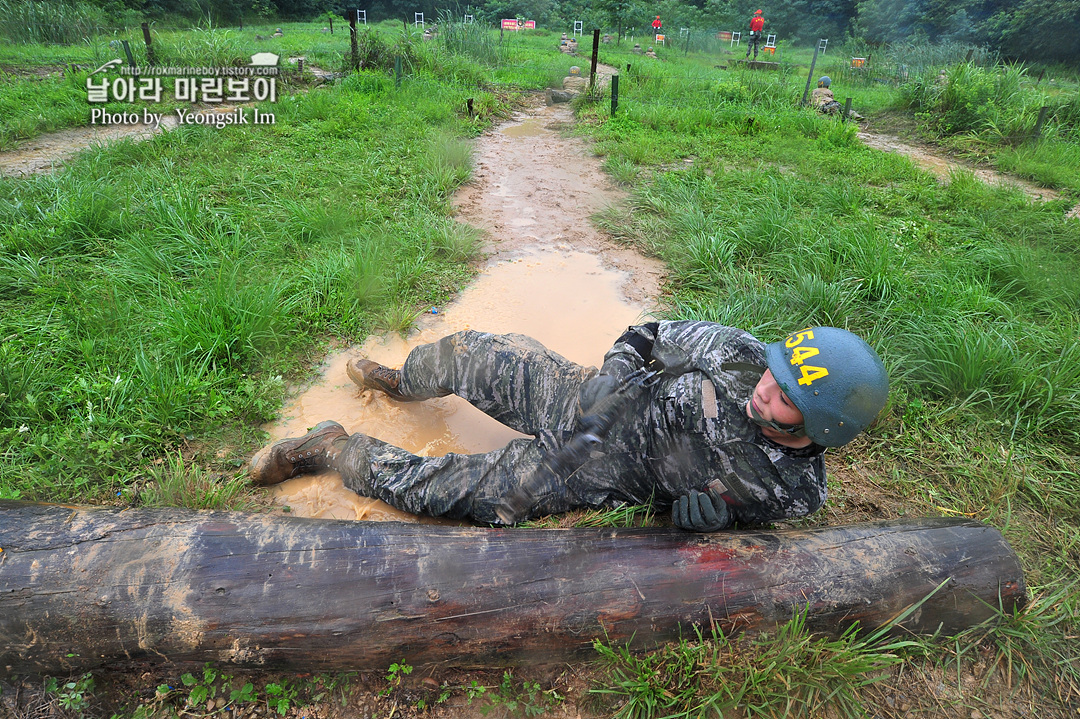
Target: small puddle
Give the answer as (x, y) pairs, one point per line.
(550, 275)
(533, 127)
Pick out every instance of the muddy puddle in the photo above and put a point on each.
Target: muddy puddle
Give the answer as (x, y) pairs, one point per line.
(941, 166)
(549, 275)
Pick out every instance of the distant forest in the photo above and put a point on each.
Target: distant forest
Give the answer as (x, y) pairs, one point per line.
(1042, 32)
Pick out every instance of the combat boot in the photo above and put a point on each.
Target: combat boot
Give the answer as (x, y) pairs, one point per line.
(287, 458)
(372, 375)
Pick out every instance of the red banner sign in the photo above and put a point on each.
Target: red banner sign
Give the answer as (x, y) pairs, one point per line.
(518, 24)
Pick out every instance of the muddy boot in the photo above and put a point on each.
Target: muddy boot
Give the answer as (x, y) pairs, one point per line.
(372, 375)
(287, 458)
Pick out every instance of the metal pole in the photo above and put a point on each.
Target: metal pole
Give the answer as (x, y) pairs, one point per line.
(614, 94)
(809, 77)
(127, 51)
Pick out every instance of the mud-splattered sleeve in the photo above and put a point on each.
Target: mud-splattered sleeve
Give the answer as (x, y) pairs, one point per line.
(626, 355)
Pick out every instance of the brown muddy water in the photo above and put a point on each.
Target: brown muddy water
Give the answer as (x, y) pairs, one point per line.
(549, 274)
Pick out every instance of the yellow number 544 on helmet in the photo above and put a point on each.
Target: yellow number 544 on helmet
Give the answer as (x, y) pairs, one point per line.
(834, 378)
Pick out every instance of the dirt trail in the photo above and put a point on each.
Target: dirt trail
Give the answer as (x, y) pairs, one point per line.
(48, 152)
(942, 166)
(549, 274)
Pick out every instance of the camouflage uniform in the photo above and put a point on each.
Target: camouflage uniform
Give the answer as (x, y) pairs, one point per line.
(689, 431)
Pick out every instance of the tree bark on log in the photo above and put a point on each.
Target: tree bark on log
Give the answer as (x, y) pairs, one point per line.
(85, 587)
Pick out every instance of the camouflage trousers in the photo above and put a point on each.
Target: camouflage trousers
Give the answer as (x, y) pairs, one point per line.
(753, 43)
(515, 380)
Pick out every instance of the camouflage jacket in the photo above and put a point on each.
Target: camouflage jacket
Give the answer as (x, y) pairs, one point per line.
(698, 432)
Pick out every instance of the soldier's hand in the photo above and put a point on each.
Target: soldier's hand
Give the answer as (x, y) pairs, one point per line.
(700, 512)
(595, 390)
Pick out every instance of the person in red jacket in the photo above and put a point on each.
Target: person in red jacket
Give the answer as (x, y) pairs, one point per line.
(756, 24)
(656, 24)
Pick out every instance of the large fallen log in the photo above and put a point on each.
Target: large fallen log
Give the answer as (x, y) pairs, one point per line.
(86, 587)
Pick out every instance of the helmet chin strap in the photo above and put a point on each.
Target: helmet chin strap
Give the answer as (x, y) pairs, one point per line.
(795, 430)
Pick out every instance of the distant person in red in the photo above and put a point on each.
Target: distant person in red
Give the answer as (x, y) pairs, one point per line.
(756, 24)
(656, 25)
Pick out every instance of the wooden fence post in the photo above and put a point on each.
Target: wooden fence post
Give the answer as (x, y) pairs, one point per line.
(130, 57)
(151, 58)
(352, 41)
(595, 53)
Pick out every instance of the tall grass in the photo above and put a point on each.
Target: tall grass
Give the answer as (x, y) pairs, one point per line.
(60, 22)
(974, 99)
(975, 285)
(469, 39)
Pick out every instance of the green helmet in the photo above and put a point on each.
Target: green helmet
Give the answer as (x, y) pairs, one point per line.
(834, 378)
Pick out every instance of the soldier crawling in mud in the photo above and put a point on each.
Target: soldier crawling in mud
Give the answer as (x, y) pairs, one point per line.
(720, 427)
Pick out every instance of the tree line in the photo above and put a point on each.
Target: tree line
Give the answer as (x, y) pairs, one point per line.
(1043, 32)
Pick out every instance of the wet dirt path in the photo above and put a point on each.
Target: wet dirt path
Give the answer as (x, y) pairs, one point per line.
(942, 166)
(49, 151)
(549, 274)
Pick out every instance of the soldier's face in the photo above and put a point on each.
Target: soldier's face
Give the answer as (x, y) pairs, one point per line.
(772, 404)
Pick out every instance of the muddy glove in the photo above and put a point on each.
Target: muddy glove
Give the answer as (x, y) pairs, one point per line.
(595, 390)
(700, 512)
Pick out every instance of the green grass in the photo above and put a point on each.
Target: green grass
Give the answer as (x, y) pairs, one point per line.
(783, 219)
(785, 673)
(991, 113)
(154, 289)
(158, 298)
